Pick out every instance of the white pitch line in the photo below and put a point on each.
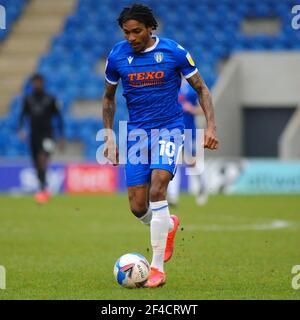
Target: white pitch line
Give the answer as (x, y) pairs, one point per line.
(273, 225)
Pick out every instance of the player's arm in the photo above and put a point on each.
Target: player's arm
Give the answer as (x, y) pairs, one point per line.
(57, 113)
(108, 114)
(210, 138)
(109, 106)
(24, 113)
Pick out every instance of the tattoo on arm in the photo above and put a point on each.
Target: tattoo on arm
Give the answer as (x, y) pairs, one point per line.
(109, 105)
(205, 99)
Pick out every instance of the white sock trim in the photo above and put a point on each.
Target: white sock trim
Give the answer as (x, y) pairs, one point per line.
(159, 229)
(158, 205)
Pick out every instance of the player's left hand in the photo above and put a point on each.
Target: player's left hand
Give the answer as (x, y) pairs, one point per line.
(111, 152)
(210, 139)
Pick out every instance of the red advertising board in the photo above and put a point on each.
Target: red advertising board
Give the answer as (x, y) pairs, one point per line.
(91, 178)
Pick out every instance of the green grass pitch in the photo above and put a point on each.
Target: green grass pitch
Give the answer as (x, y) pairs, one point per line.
(235, 247)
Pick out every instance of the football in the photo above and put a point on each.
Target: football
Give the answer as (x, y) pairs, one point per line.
(131, 270)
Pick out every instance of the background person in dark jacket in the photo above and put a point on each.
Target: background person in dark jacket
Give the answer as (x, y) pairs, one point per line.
(40, 108)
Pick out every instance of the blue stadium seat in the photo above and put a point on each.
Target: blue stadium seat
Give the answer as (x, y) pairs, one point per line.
(13, 10)
(211, 31)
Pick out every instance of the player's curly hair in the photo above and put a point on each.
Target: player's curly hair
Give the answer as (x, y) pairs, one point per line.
(138, 12)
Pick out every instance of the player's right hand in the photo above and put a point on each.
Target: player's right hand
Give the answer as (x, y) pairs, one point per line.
(111, 152)
(210, 139)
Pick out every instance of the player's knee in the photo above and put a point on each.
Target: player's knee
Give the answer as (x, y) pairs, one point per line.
(157, 193)
(138, 209)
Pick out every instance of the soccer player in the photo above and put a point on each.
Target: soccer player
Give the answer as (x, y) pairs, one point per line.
(188, 99)
(40, 108)
(150, 69)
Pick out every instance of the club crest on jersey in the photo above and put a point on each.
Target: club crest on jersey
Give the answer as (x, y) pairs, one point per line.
(158, 56)
(129, 59)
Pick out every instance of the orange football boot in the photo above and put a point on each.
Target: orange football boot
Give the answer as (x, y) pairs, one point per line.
(156, 278)
(42, 196)
(170, 240)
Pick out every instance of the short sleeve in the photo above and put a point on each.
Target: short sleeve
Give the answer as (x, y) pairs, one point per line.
(185, 62)
(111, 73)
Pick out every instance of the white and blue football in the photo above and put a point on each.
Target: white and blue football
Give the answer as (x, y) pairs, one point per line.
(131, 270)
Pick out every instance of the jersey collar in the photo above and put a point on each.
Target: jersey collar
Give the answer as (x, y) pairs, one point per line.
(152, 47)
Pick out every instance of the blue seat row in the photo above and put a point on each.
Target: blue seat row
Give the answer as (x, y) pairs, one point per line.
(210, 30)
(13, 10)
